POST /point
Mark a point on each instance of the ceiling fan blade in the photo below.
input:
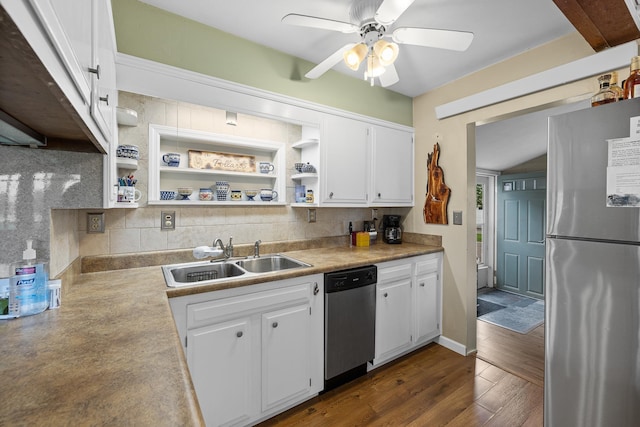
(429, 37)
(389, 77)
(328, 63)
(390, 10)
(322, 23)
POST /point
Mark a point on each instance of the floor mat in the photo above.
(485, 307)
(520, 314)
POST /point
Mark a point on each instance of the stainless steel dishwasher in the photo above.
(349, 323)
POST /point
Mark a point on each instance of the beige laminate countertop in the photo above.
(110, 355)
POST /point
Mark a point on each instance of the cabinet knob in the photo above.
(105, 99)
(422, 284)
(95, 71)
(379, 195)
(239, 334)
(316, 289)
(274, 324)
(386, 295)
(331, 195)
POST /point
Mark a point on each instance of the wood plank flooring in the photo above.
(432, 386)
(519, 354)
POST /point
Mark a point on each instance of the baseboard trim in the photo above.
(452, 345)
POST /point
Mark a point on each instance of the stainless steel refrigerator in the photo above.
(592, 302)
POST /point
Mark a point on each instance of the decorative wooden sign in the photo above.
(221, 161)
(437, 199)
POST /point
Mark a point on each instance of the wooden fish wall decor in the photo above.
(437, 199)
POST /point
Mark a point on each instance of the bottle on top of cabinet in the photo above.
(632, 84)
(613, 84)
(605, 95)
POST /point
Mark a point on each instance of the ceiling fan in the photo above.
(373, 18)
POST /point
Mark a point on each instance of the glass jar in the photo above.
(632, 84)
(605, 95)
(613, 84)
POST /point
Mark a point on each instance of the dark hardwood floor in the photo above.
(432, 386)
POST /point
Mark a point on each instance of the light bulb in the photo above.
(354, 56)
(386, 52)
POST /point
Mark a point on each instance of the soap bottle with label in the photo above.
(29, 282)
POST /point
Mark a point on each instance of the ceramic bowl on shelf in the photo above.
(251, 194)
(185, 192)
(299, 166)
(308, 168)
(128, 152)
(167, 195)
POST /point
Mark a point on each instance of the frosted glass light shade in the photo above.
(386, 52)
(354, 56)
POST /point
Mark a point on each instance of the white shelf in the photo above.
(305, 143)
(187, 171)
(304, 205)
(126, 163)
(125, 205)
(214, 203)
(305, 176)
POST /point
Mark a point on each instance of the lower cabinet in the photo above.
(408, 305)
(254, 355)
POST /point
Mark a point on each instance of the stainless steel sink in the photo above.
(205, 272)
(269, 263)
(198, 272)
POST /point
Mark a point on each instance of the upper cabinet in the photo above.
(69, 42)
(392, 167)
(344, 161)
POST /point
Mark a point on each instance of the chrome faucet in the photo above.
(228, 250)
(256, 249)
(218, 242)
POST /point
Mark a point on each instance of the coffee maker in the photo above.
(392, 233)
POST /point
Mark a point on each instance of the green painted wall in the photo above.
(151, 33)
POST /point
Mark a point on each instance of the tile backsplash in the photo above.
(34, 181)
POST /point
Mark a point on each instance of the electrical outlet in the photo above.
(168, 220)
(374, 214)
(95, 222)
(311, 215)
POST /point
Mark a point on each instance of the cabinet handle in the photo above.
(379, 195)
(95, 71)
(331, 195)
(239, 334)
(274, 324)
(105, 99)
(386, 295)
(422, 284)
(316, 289)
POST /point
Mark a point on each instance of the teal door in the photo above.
(521, 213)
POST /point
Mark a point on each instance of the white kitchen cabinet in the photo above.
(219, 358)
(344, 161)
(392, 167)
(427, 299)
(408, 305)
(285, 355)
(253, 351)
(83, 40)
(393, 317)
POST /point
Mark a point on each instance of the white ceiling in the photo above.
(502, 29)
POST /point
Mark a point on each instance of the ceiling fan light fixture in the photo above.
(374, 68)
(354, 56)
(386, 52)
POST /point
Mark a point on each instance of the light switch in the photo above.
(311, 215)
(457, 217)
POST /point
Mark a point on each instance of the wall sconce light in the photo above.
(232, 118)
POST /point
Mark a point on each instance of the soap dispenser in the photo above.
(29, 283)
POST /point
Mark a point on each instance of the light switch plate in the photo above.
(311, 215)
(457, 217)
(168, 220)
(95, 222)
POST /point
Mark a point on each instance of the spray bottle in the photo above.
(29, 283)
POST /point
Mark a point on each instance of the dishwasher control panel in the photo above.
(348, 279)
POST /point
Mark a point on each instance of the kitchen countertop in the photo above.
(110, 355)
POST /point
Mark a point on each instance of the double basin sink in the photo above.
(205, 272)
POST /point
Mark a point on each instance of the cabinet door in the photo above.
(393, 318)
(219, 358)
(427, 307)
(103, 84)
(286, 370)
(392, 171)
(69, 24)
(345, 157)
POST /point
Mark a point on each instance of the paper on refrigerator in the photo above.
(623, 169)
